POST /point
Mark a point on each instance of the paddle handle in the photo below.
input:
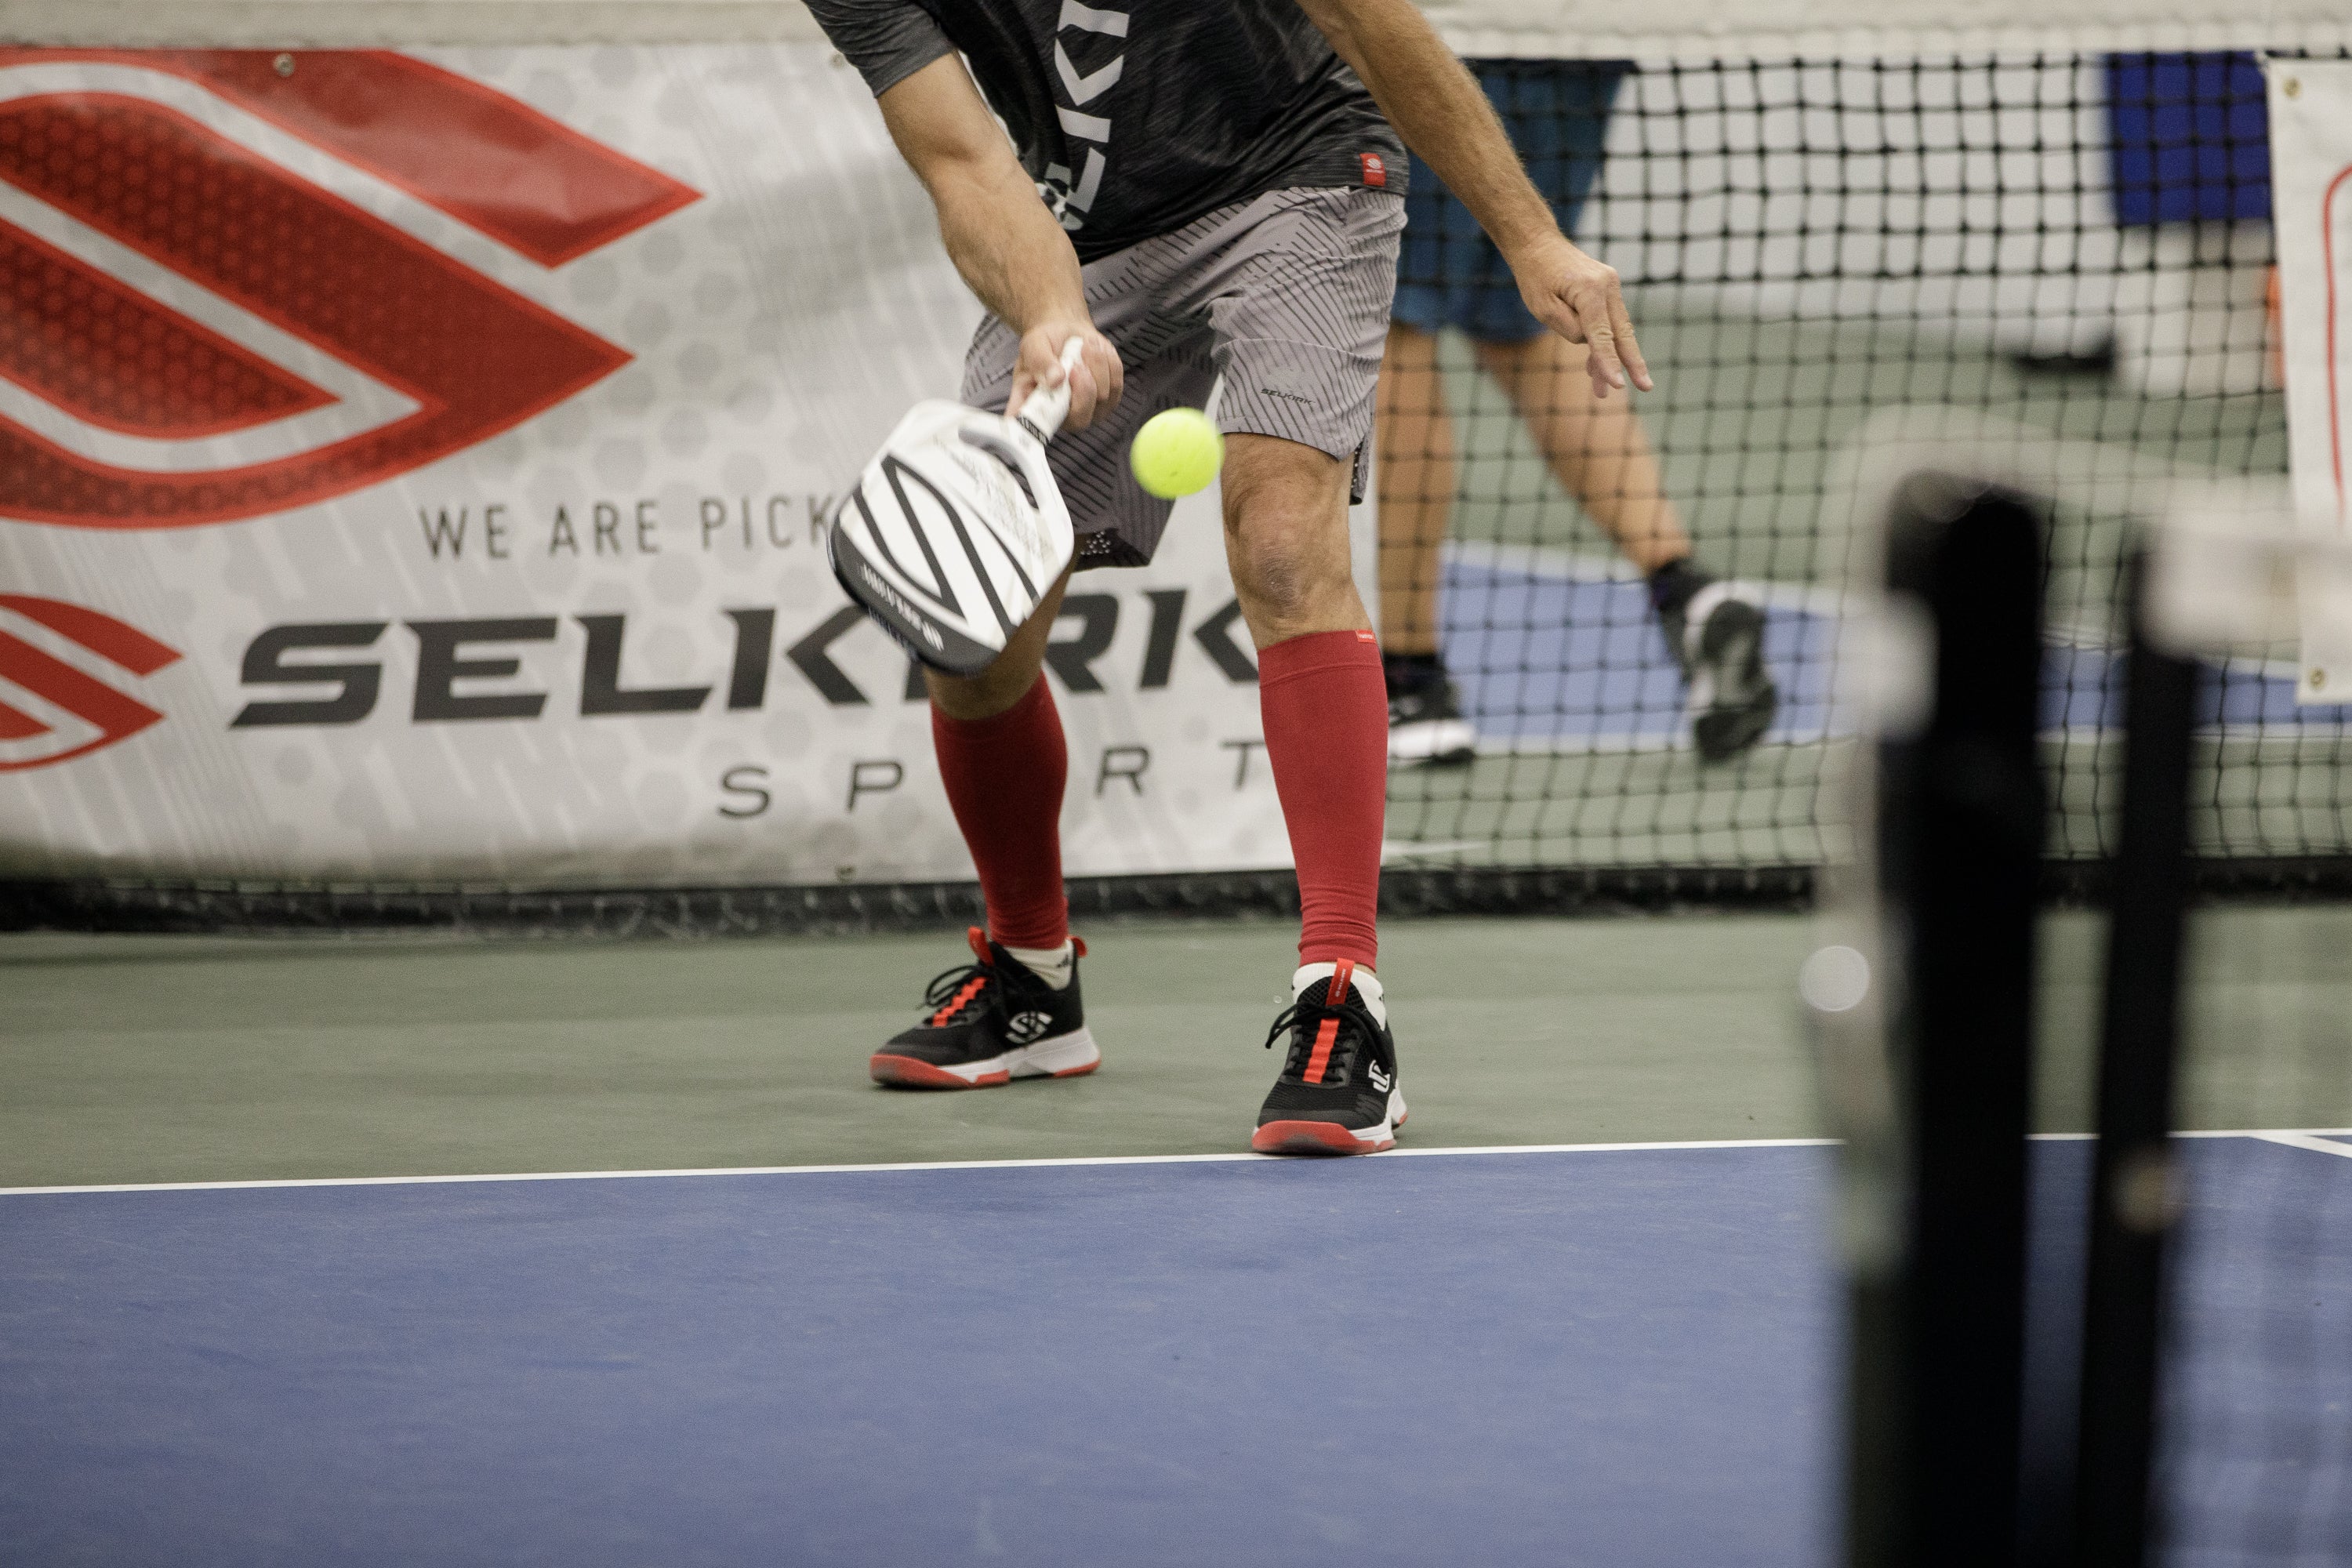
(1049, 405)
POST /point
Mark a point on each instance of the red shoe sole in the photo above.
(910, 1072)
(1312, 1137)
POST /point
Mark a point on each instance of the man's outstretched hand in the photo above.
(1096, 380)
(1578, 297)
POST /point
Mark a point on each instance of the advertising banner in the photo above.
(412, 468)
(2310, 164)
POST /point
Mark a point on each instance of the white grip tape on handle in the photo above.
(1049, 405)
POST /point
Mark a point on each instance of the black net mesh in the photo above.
(2073, 250)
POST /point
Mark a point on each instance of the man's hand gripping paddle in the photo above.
(956, 531)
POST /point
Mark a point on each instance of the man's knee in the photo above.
(1287, 527)
(1281, 585)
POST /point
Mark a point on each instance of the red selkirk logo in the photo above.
(78, 712)
(111, 399)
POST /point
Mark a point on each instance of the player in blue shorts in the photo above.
(1450, 275)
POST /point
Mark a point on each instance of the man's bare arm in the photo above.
(1436, 106)
(999, 235)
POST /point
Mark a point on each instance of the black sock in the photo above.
(1411, 671)
(1674, 584)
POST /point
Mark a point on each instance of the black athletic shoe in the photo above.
(1718, 639)
(1426, 722)
(991, 1022)
(1337, 1093)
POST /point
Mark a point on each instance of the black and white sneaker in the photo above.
(1426, 722)
(1337, 1093)
(991, 1022)
(1718, 639)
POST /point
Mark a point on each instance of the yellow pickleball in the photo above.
(1178, 451)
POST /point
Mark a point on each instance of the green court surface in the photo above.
(163, 1060)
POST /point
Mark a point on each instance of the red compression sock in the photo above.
(1326, 733)
(1004, 776)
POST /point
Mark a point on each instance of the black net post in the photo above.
(1938, 1339)
(2133, 1181)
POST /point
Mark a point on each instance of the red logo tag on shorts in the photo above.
(1375, 169)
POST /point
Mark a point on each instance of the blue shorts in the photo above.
(1449, 273)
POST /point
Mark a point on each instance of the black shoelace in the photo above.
(1304, 1019)
(954, 992)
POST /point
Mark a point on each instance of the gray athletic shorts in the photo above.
(1287, 295)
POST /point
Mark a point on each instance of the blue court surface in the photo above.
(1566, 652)
(1620, 1356)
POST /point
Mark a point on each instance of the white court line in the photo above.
(2299, 1138)
(903, 1165)
(2312, 1141)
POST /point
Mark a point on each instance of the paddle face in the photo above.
(952, 534)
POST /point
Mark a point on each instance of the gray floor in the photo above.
(136, 1059)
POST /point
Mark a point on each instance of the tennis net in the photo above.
(2070, 250)
(2047, 236)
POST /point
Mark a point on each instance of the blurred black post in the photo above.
(2134, 1185)
(1940, 1339)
